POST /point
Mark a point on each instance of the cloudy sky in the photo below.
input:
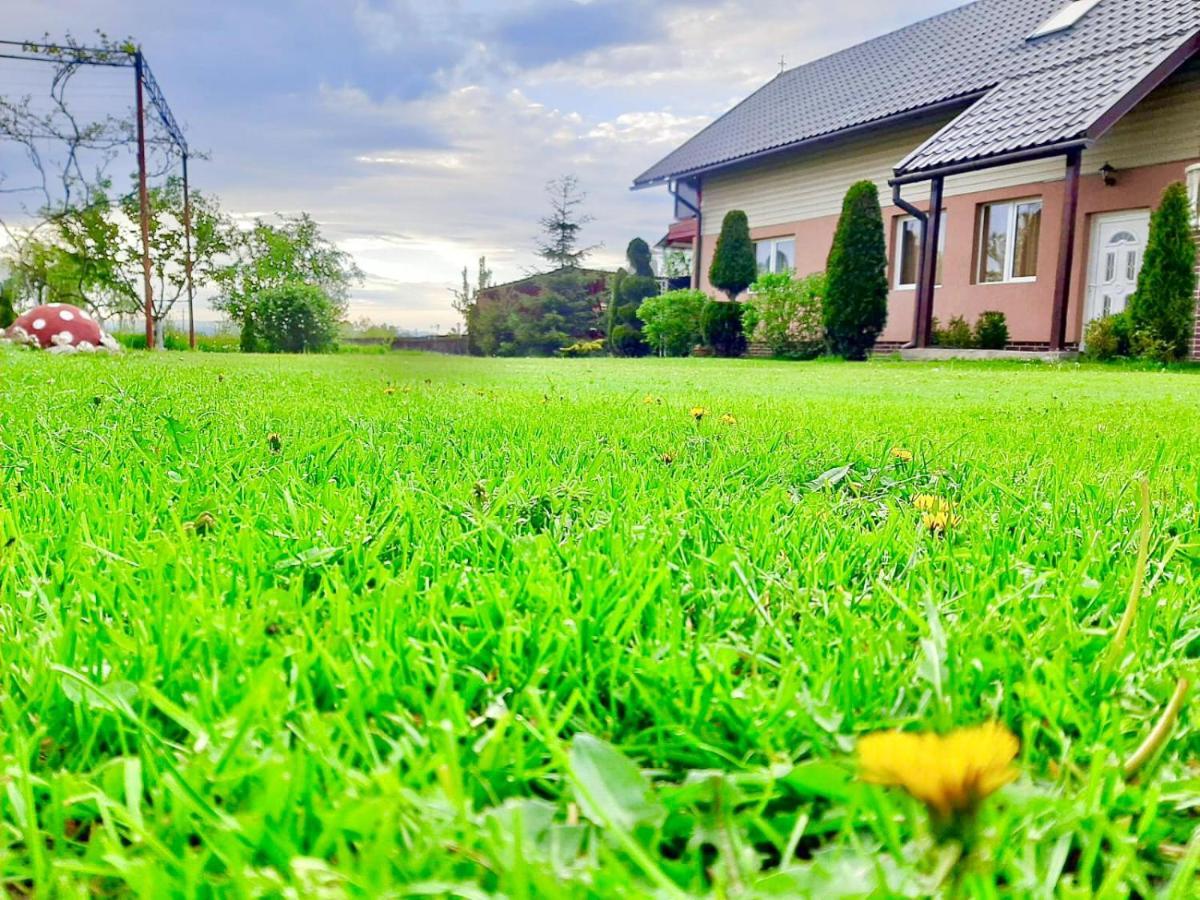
(421, 134)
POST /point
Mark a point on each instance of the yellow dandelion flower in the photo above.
(727, 419)
(951, 774)
(927, 502)
(699, 412)
(668, 458)
(649, 399)
(389, 391)
(901, 454)
(941, 521)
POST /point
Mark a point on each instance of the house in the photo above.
(1044, 132)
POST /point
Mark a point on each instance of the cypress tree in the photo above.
(856, 292)
(1165, 302)
(638, 254)
(734, 267)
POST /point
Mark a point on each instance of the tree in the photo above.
(856, 276)
(639, 256)
(734, 267)
(464, 297)
(273, 255)
(1165, 302)
(559, 244)
(90, 255)
(291, 318)
(672, 321)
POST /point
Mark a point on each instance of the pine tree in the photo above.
(856, 292)
(734, 267)
(8, 313)
(1165, 302)
(559, 245)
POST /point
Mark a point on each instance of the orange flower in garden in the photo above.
(951, 774)
(699, 412)
(901, 454)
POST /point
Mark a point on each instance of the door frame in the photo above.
(1092, 282)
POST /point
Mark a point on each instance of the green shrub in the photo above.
(639, 257)
(628, 293)
(582, 348)
(1165, 303)
(721, 327)
(991, 331)
(1145, 344)
(218, 343)
(136, 340)
(8, 312)
(672, 321)
(855, 307)
(734, 267)
(956, 335)
(294, 318)
(1109, 337)
(785, 314)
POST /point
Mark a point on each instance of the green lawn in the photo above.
(332, 626)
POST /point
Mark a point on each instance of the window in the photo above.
(1065, 18)
(776, 256)
(1008, 241)
(908, 251)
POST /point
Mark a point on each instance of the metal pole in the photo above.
(144, 203)
(1066, 253)
(929, 250)
(187, 259)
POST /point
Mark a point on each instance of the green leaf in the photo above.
(610, 789)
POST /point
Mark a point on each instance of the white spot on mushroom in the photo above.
(66, 315)
(39, 324)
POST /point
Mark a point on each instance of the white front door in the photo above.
(1118, 247)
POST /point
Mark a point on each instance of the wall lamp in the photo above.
(1109, 174)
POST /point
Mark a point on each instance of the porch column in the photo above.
(1066, 252)
(927, 277)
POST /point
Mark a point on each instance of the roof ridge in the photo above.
(957, 10)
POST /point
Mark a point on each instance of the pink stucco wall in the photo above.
(1027, 305)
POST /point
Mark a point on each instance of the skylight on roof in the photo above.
(1065, 18)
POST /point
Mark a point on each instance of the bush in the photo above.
(136, 340)
(639, 256)
(672, 321)
(628, 293)
(734, 267)
(855, 308)
(582, 348)
(721, 327)
(991, 331)
(1109, 336)
(294, 318)
(957, 335)
(8, 313)
(1165, 302)
(218, 343)
(785, 314)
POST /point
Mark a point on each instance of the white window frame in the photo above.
(897, 262)
(773, 242)
(1010, 240)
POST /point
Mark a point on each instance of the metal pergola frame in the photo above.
(146, 87)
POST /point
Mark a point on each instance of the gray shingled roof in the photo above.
(1033, 92)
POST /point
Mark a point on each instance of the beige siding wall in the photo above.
(1163, 128)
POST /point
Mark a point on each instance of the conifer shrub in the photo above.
(855, 307)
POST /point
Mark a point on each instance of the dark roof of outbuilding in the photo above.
(1023, 93)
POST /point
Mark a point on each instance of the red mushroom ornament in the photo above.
(60, 328)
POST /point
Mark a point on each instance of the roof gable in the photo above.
(965, 53)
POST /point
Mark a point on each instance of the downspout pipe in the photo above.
(923, 218)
